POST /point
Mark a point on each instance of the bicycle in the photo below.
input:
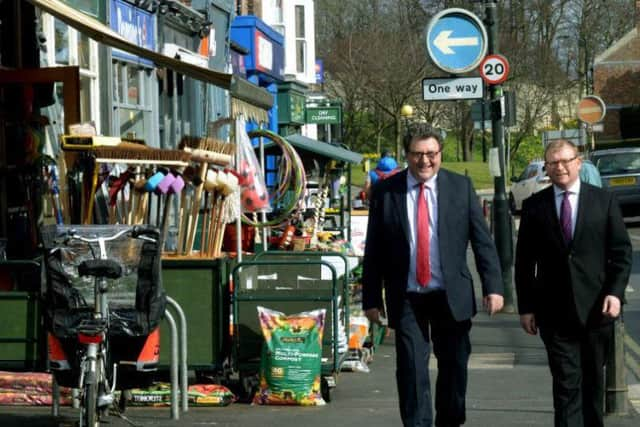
(97, 377)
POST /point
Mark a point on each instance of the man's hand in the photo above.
(493, 303)
(528, 323)
(373, 314)
(611, 306)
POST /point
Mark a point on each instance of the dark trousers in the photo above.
(576, 360)
(426, 319)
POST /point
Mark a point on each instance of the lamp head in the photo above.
(406, 111)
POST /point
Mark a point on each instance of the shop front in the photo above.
(141, 108)
(263, 64)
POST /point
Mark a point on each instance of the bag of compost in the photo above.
(159, 394)
(290, 366)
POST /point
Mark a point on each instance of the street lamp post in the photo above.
(582, 42)
(406, 112)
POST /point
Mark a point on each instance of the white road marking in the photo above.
(484, 361)
(634, 396)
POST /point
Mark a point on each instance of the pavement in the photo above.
(509, 385)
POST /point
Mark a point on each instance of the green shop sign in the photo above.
(297, 108)
(290, 107)
(324, 115)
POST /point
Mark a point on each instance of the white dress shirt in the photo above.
(431, 193)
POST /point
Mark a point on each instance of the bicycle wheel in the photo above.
(89, 416)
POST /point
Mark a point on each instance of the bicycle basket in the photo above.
(136, 300)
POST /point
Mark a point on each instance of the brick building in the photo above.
(616, 79)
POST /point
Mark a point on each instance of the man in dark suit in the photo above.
(573, 260)
(421, 221)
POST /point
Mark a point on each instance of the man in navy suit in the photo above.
(573, 261)
(421, 221)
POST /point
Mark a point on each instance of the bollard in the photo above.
(173, 369)
(183, 367)
(616, 387)
(55, 398)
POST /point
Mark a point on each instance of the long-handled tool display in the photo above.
(191, 176)
(168, 187)
(210, 188)
(205, 151)
(228, 187)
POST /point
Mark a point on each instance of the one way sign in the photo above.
(456, 40)
(452, 89)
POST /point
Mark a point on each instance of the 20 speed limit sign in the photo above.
(494, 69)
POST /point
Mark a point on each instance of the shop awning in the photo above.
(103, 34)
(322, 148)
(250, 100)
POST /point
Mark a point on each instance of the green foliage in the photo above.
(571, 124)
(452, 148)
(449, 148)
(529, 149)
(363, 129)
(478, 171)
(358, 175)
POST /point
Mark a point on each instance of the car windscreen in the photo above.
(617, 163)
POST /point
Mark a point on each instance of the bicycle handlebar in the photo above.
(145, 231)
(136, 232)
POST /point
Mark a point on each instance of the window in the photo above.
(299, 22)
(527, 173)
(84, 51)
(300, 56)
(61, 41)
(85, 98)
(133, 81)
(620, 163)
(630, 122)
(301, 43)
(67, 46)
(131, 100)
(533, 172)
(245, 7)
(278, 18)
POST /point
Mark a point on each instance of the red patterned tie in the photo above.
(423, 271)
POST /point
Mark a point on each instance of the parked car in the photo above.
(531, 180)
(620, 172)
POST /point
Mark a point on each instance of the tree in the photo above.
(550, 45)
(375, 57)
(374, 54)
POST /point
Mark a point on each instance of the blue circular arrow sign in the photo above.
(456, 40)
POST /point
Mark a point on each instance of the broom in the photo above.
(204, 151)
(129, 153)
(191, 177)
(215, 217)
(229, 187)
(210, 186)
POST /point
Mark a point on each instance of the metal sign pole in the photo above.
(501, 216)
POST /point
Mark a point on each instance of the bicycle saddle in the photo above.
(100, 268)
